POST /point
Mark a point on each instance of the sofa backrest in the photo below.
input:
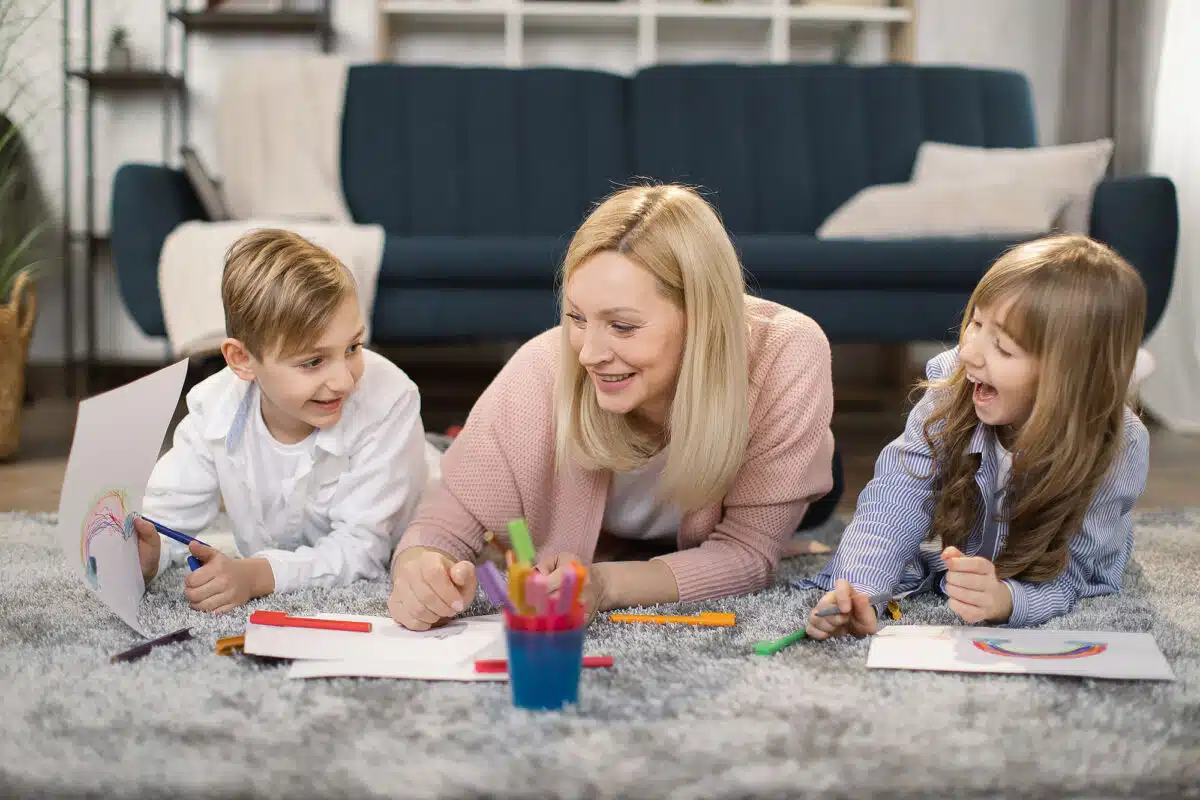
(779, 147)
(476, 151)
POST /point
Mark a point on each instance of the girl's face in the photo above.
(1004, 375)
(626, 334)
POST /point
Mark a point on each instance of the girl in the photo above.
(668, 409)
(1010, 490)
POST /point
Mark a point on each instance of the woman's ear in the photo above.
(237, 356)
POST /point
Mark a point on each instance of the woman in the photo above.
(668, 408)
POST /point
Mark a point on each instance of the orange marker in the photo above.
(706, 618)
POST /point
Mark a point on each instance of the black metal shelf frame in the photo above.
(173, 87)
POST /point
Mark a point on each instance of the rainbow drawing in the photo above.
(996, 647)
(107, 515)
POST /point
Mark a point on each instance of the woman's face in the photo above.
(626, 334)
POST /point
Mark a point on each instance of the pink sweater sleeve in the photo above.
(478, 489)
(788, 465)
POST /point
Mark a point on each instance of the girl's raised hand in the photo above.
(857, 617)
(975, 593)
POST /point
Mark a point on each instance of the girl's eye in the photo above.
(1000, 349)
(311, 364)
(622, 328)
(578, 320)
(354, 348)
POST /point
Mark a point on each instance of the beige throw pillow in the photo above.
(909, 210)
(1073, 168)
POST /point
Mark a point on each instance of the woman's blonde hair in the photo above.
(674, 234)
(1079, 309)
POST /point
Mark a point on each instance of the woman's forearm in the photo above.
(636, 583)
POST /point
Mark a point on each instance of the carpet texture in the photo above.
(686, 713)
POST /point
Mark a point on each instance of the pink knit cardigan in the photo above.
(501, 466)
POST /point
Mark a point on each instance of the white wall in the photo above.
(1022, 34)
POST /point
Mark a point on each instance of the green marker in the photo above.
(772, 646)
(518, 533)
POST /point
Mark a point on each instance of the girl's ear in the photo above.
(237, 356)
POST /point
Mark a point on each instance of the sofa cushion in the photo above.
(780, 146)
(497, 261)
(943, 263)
(918, 210)
(475, 151)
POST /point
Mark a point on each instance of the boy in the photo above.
(315, 445)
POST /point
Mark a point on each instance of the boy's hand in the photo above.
(223, 583)
(428, 587)
(857, 616)
(593, 595)
(149, 548)
(975, 593)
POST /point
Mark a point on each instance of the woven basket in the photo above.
(16, 325)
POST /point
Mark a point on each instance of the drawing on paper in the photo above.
(1069, 649)
(106, 516)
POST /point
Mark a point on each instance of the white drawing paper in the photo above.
(118, 437)
(1085, 654)
(456, 642)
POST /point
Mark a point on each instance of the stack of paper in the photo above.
(447, 653)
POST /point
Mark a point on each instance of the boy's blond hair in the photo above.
(280, 291)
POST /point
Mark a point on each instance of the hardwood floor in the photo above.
(32, 481)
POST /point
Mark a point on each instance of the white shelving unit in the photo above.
(628, 34)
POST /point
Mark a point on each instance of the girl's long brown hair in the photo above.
(1079, 309)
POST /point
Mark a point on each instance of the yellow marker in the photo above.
(517, 573)
(707, 618)
(893, 609)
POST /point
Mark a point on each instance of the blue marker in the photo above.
(182, 538)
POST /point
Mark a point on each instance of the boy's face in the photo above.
(308, 389)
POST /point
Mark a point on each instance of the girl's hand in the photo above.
(224, 583)
(593, 596)
(428, 587)
(857, 616)
(975, 593)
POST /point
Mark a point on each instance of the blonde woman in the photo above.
(668, 409)
(1021, 464)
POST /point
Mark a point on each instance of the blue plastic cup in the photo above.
(545, 660)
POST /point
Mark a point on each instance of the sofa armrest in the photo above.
(1139, 218)
(148, 202)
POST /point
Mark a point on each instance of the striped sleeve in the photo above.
(894, 511)
(1099, 552)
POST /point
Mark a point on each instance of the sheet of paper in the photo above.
(118, 437)
(457, 642)
(1085, 654)
(384, 668)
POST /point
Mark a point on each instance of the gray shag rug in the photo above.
(686, 712)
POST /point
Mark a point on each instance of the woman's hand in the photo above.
(975, 593)
(428, 587)
(857, 616)
(593, 595)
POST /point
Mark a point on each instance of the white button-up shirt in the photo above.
(351, 497)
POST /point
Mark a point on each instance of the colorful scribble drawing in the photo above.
(996, 647)
(106, 517)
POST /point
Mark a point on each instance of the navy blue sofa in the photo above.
(480, 176)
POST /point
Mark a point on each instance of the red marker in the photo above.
(282, 620)
(500, 665)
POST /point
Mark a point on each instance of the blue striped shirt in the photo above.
(884, 548)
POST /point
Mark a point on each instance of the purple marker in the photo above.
(566, 593)
(493, 585)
